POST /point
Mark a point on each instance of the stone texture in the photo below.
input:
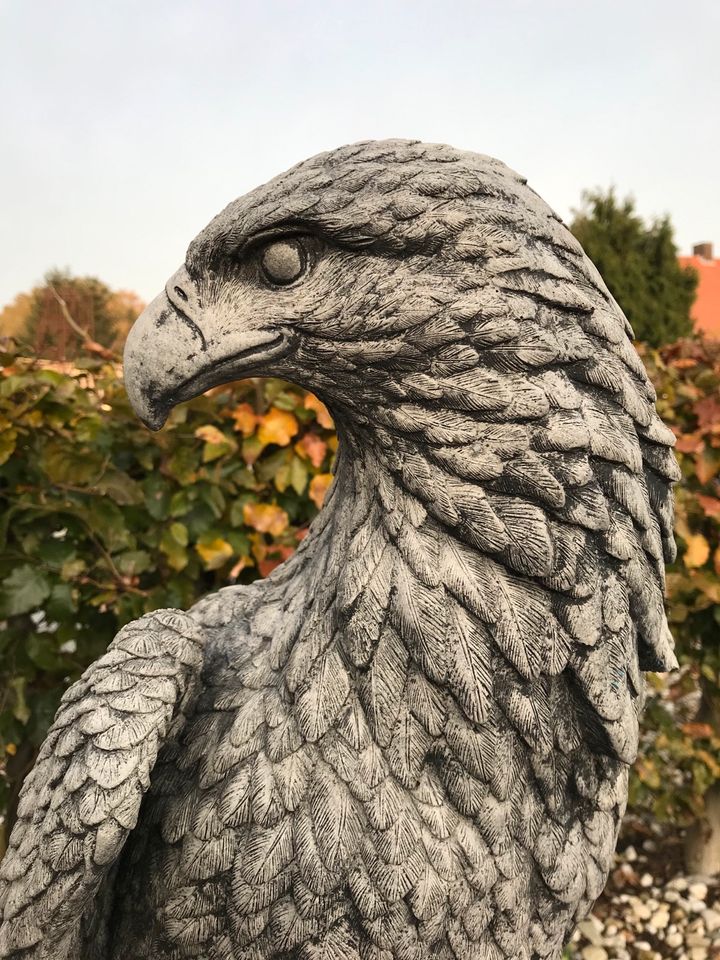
(413, 739)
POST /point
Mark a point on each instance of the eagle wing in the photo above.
(83, 796)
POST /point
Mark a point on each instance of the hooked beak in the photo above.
(177, 349)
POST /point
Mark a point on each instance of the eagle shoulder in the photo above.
(82, 798)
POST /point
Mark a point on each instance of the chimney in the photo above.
(704, 250)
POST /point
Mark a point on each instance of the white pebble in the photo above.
(631, 854)
(674, 939)
(698, 891)
(594, 953)
(646, 880)
(591, 931)
(712, 920)
(641, 910)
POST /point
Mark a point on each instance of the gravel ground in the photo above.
(650, 911)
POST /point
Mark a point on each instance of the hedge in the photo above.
(102, 521)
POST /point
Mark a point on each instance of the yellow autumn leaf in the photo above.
(319, 486)
(697, 552)
(210, 434)
(277, 426)
(214, 553)
(321, 411)
(266, 518)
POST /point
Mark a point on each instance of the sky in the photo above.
(125, 125)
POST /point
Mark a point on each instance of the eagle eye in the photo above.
(283, 261)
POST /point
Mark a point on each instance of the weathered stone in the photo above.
(455, 649)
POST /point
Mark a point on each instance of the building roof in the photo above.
(706, 309)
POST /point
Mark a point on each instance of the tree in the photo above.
(638, 262)
(14, 316)
(123, 307)
(56, 317)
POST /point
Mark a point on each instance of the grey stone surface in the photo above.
(412, 740)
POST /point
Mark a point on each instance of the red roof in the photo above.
(706, 309)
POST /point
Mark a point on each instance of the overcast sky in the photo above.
(125, 125)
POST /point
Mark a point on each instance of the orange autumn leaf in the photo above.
(321, 411)
(716, 561)
(246, 420)
(689, 443)
(711, 505)
(273, 559)
(319, 486)
(277, 426)
(707, 466)
(210, 434)
(697, 552)
(313, 447)
(697, 730)
(266, 518)
(707, 412)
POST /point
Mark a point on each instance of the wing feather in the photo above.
(78, 805)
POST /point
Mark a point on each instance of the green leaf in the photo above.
(61, 602)
(72, 568)
(107, 521)
(119, 487)
(213, 497)
(21, 711)
(180, 503)
(41, 649)
(179, 533)
(183, 465)
(298, 475)
(133, 562)
(71, 466)
(8, 438)
(177, 555)
(23, 591)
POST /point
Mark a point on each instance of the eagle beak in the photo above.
(178, 349)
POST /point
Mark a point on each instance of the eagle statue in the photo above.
(411, 740)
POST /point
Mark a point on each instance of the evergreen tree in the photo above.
(638, 262)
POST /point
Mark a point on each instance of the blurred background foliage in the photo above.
(101, 521)
(639, 263)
